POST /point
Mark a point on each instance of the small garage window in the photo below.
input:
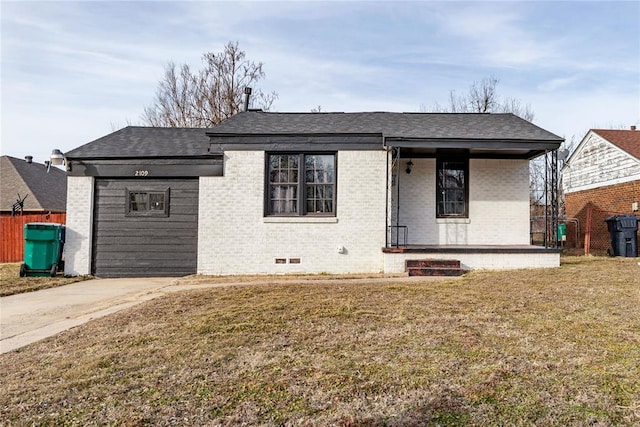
(147, 203)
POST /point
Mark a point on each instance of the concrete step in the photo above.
(434, 267)
(440, 272)
(432, 263)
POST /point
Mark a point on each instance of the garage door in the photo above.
(145, 228)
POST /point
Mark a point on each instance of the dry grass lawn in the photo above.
(529, 347)
(11, 283)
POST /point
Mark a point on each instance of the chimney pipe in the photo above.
(28, 159)
(247, 94)
(633, 127)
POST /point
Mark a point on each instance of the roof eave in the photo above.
(497, 144)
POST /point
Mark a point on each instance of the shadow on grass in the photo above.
(449, 409)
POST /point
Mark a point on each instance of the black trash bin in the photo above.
(623, 230)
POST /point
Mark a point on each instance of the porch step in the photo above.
(432, 263)
(434, 267)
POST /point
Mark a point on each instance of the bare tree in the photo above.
(204, 98)
(514, 106)
(483, 97)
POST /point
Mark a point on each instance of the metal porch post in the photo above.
(551, 199)
(398, 198)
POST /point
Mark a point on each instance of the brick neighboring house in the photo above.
(602, 176)
(270, 193)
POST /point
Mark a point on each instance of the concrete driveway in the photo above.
(32, 316)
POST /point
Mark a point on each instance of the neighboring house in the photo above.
(601, 178)
(31, 188)
(29, 192)
(306, 193)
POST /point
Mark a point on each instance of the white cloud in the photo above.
(557, 83)
(69, 69)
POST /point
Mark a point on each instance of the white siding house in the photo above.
(598, 161)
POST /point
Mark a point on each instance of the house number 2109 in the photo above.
(142, 173)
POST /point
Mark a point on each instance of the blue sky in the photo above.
(72, 72)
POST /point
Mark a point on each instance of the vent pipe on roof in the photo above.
(28, 159)
(633, 127)
(247, 94)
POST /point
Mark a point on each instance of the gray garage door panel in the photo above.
(134, 246)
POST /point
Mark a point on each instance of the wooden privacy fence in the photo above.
(12, 233)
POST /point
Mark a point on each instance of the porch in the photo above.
(468, 201)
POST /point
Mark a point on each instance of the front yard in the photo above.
(530, 347)
(11, 283)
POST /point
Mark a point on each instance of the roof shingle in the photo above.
(467, 126)
(44, 191)
(139, 141)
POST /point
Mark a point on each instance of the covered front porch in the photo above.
(468, 201)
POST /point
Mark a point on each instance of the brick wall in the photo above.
(498, 204)
(603, 202)
(234, 237)
(77, 248)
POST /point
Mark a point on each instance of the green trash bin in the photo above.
(562, 232)
(43, 244)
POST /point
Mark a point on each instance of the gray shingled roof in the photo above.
(45, 191)
(467, 126)
(136, 141)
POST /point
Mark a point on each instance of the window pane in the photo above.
(292, 161)
(137, 202)
(284, 198)
(320, 168)
(451, 189)
(319, 198)
(319, 176)
(309, 176)
(284, 206)
(156, 202)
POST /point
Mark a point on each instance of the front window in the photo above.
(147, 203)
(301, 184)
(452, 188)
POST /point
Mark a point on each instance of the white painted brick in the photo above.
(234, 238)
(498, 205)
(77, 247)
(395, 263)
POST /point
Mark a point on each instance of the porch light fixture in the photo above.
(409, 167)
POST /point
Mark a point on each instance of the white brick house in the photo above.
(306, 193)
